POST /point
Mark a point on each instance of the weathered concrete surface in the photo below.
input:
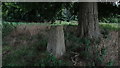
(56, 44)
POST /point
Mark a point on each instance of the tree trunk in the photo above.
(56, 44)
(88, 20)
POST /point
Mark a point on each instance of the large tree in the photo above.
(88, 20)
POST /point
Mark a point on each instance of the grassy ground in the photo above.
(110, 26)
(25, 52)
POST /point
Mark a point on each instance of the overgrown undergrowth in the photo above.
(34, 53)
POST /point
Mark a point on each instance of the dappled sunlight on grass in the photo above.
(114, 26)
(110, 26)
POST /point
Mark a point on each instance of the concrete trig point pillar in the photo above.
(56, 44)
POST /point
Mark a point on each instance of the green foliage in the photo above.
(110, 63)
(80, 45)
(104, 51)
(7, 28)
(112, 19)
(20, 11)
(41, 12)
(99, 55)
(87, 48)
(50, 60)
(73, 40)
(7, 48)
(15, 58)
